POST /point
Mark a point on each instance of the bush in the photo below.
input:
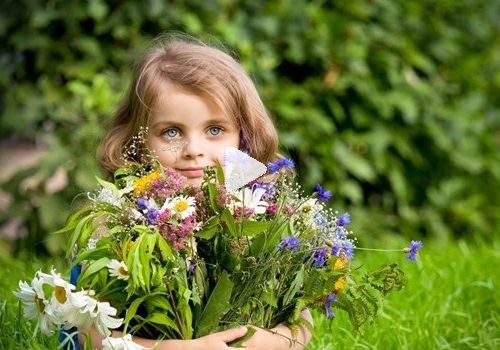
(390, 104)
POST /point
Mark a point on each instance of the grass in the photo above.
(450, 302)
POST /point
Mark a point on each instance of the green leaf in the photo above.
(253, 228)
(294, 287)
(163, 319)
(217, 305)
(92, 269)
(228, 221)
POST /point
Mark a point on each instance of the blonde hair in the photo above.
(203, 70)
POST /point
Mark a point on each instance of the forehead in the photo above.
(172, 96)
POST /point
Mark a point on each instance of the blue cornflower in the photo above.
(322, 194)
(344, 219)
(291, 243)
(330, 298)
(270, 188)
(280, 163)
(142, 203)
(152, 215)
(320, 257)
(413, 249)
(345, 248)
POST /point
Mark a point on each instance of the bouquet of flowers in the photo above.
(161, 259)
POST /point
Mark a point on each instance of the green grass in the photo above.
(450, 302)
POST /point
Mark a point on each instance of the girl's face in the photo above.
(188, 132)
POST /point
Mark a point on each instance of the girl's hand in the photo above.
(280, 337)
(216, 341)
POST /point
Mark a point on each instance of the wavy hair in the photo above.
(204, 70)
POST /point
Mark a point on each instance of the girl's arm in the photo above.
(278, 338)
(214, 341)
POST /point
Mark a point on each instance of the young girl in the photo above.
(196, 101)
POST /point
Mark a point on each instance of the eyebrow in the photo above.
(215, 121)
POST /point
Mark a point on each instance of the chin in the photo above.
(194, 181)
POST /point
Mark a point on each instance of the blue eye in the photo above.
(215, 130)
(171, 132)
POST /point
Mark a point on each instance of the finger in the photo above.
(233, 333)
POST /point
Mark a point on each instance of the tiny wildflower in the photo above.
(412, 250)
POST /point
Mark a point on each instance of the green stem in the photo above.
(379, 249)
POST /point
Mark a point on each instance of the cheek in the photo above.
(166, 156)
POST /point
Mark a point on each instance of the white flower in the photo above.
(310, 213)
(32, 298)
(123, 343)
(247, 198)
(36, 305)
(106, 195)
(182, 206)
(83, 310)
(118, 269)
(74, 312)
(104, 320)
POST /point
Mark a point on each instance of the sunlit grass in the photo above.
(451, 301)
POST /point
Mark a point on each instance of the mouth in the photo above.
(191, 172)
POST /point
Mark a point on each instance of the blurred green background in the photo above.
(393, 105)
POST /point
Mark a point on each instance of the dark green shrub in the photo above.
(390, 104)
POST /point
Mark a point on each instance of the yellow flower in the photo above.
(340, 263)
(143, 183)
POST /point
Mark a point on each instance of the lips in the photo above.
(191, 172)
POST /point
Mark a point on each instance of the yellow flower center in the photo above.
(122, 271)
(60, 294)
(181, 206)
(40, 305)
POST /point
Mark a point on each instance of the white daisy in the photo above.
(183, 206)
(104, 320)
(36, 306)
(118, 269)
(123, 343)
(247, 198)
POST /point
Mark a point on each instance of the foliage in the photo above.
(450, 302)
(394, 100)
(167, 260)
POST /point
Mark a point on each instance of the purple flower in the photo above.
(345, 248)
(323, 195)
(320, 257)
(270, 188)
(142, 203)
(344, 219)
(152, 215)
(280, 163)
(291, 243)
(413, 249)
(330, 298)
(191, 266)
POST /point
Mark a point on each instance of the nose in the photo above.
(193, 148)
